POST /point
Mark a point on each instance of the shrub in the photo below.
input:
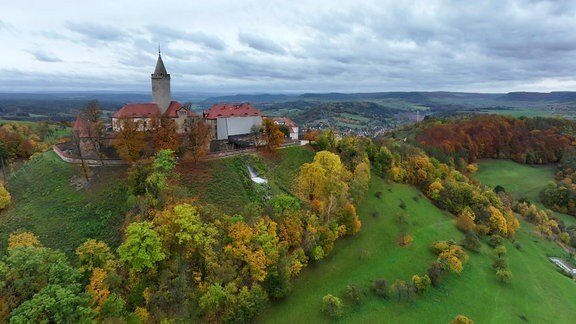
(354, 294)
(495, 240)
(471, 242)
(332, 306)
(461, 319)
(500, 264)
(380, 287)
(500, 250)
(435, 273)
(503, 275)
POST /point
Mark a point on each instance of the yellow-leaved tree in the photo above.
(5, 197)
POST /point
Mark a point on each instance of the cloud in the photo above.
(43, 56)
(97, 32)
(164, 34)
(260, 43)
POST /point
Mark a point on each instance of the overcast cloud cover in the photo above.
(259, 46)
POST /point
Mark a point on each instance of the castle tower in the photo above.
(161, 86)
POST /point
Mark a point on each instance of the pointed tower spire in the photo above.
(161, 85)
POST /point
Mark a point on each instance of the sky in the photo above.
(298, 46)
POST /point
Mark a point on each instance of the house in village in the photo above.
(292, 127)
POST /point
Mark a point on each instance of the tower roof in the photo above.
(160, 69)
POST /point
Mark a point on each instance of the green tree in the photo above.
(332, 306)
(142, 248)
(54, 304)
(32, 268)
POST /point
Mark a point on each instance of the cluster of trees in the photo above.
(478, 209)
(561, 194)
(132, 143)
(460, 141)
(18, 140)
(181, 260)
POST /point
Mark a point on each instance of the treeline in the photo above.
(21, 140)
(460, 141)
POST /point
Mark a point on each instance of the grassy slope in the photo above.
(522, 181)
(537, 292)
(226, 183)
(45, 203)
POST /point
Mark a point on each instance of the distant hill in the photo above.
(555, 96)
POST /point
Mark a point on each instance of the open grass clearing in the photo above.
(520, 180)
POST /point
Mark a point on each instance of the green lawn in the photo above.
(44, 202)
(520, 180)
(537, 292)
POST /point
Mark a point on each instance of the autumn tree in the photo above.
(130, 141)
(95, 130)
(360, 181)
(325, 180)
(273, 136)
(197, 139)
(94, 254)
(5, 197)
(461, 319)
(450, 255)
(311, 135)
(23, 239)
(164, 135)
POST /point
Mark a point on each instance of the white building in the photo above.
(232, 119)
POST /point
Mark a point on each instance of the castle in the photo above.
(162, 105)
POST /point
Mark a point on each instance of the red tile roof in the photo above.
(140, 110)
(175, 106)
(232, 110)
(284, 121)
(81, 127)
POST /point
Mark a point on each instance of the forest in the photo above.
(182, 260)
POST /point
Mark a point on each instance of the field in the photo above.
(519, 112)
(520, 180)
(537, 292)
(45, 203)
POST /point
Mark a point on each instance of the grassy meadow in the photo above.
(45, 203)
(537, 292)
(520, 180)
